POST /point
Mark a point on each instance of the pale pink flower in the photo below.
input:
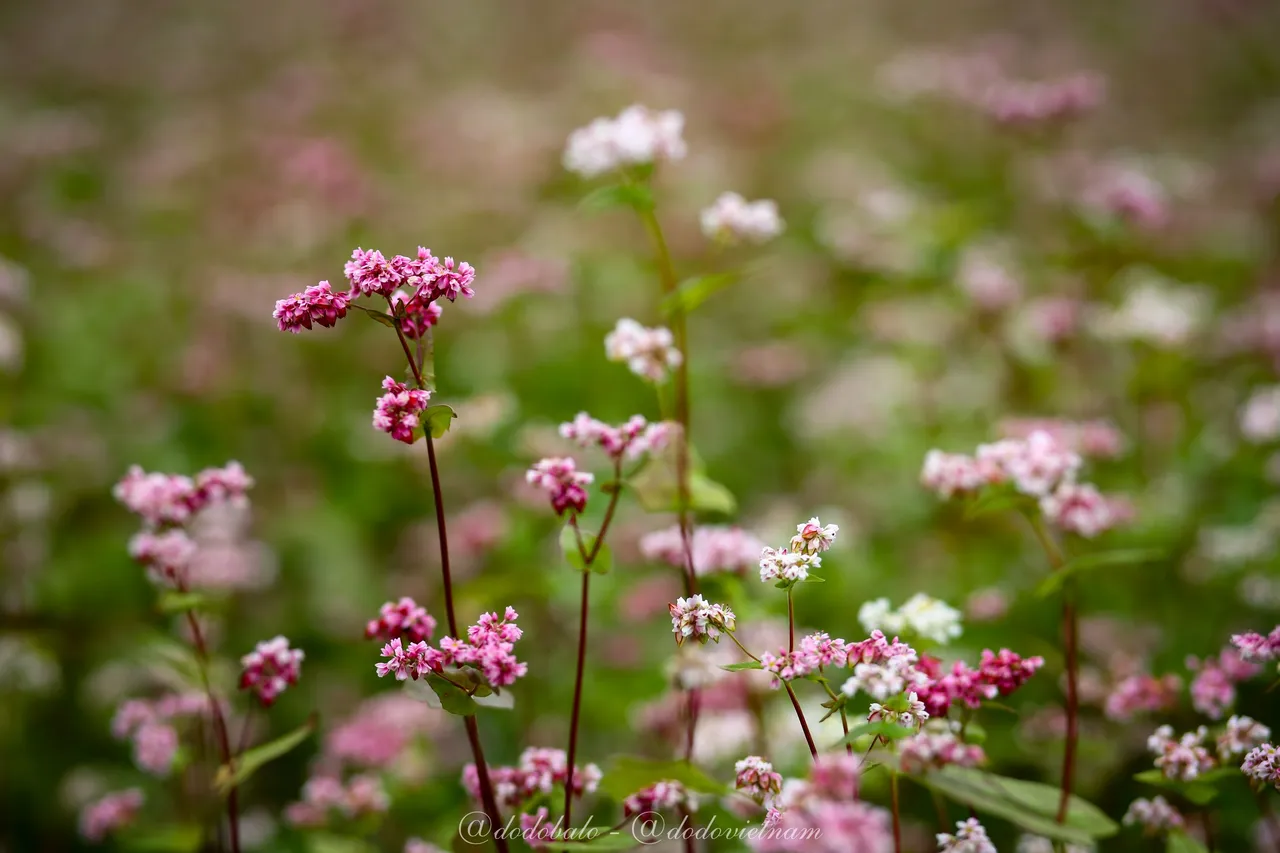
(733, 219)
(1256, 647)
(949, 474)
(636, 136)
(648, 352)
(1154, 815)
(666, 795)
(1142, 693)
(781, 565)
(539, 772)
(1096, 438)
(167, 555)
(1240, 735)
(110, 813)
(1213, 689)
(404, 618)
(562, 480)
(695, 617)
(270, 668)
(417, 845)
(1035, 465)
(396, 412)
(937, 749)
(714, 548)
(970, 837)
(812, 537)
(632, 439)
(757, 778)
(1263, 764)
(787, 666)
(1183, 759)
(154, 747)
(825, 650)
(1079, 508)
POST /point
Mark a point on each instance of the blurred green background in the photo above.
(170, 170)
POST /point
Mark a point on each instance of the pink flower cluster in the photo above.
(787, 567)
(1183, 759)
(561, 479)
(648, 352)
(148, 725)
(937, 749)
(970, 837)
(633, 439)
(715, 548)
(1256, 647)
(1096, 439)
(1263, 764)
(1213, 690)
(1142, 693)
(1154, 815)
(270, 668)
(489, 649)
(110, 813)
(539, 771)
(165, 502)
(823, 814)
(1027, 104)
(757, 778)
(788, 666)
(660, 796)
(362, 794)
(1240, 735)
(416, 312)
(319, 305)
(1081, 509)
(403, 618)
(396, 412)
(813, 537)
(380, 731)
(695, 617)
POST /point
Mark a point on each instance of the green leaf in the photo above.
(635, 196)
(813, 579)
(1180, 842)
(1030, 805)
(180, 602)
(438, 420)
(1100, 560)
(974, 733)
(1201, 791)
(382, 317)
(501, 701)
(452, 698)
(248, 762)
(164, 839)
(657, 490)
(603, 561)
(885, 729)
(694, 291)
(628, 774)
(739, 667)
(327, 843)
(996, 500)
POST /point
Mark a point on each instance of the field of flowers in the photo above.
(848, 428)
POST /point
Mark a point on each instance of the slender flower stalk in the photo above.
(588, 558)
(487, 798)
(795, 703)
(219, 723)
(1070, 642)
(897, 820)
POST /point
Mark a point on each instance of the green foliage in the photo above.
(600, 565)
(249, 762)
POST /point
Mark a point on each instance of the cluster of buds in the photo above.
(660, 796)
(1263, 765)
(404, 618)
(270, 668)
(648, 352)
(637, 136)
(733, 219)
(323, 796)
(1155, 816)
(167, 502)
(539, 771)
(1183, 759)
(714, 548)
(489, 649)
(785, 567)
(396, 412)
(696, 618)
(757, 779)
(1142, 693)
(370, 273)
(1258, 648)
(561, 479)
(110, 814)
(631, 440)
(937, 746)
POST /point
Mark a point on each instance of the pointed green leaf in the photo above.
(1201, 791)
(635, 196)
(439, 418)
(814, 579)
(248, 762)
(600, 565)
(1180, 842)
(885, 729)
(694, 291)
(180, 602)
(1099, 560)
(380, 316)
(452, 698)
(657, 488)
(628, 774)
(739, 667)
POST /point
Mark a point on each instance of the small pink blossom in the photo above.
(370, 273)
(1142, 693)
(632, 439)
(562, 480)
(1256, 647)
(417, 845)
(714, 548)
(154, 747)
(396, 412)
(270, 668)
(1081, 509)
(172, 499)
(733, 219)
(937, 749)
(1154, 816)
(539, 772)
(362, 794)
(666, 795)
(949, 474)
(404, 618)
(1240, 735)
(1183, 759)
(825, 650)
(114, 811)
(812, 537)
(319, 305)
(1095, 439)
(419, 315)
(648, 353)
(757, 778)
(1213, 689)
(788, 666)
(1035, 465)
(695, 617)
(453, 280)
(1263, 764)
(970, 837)
(167, 556)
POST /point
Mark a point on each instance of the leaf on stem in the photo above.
(248, 762)
(1201, 791)
(884, 729)
(1180, 842)
(657, 488)
(438, 419)
(1099, 560)
(440, 692)
(381, 316)
(178, 602)
(638, 197)
(692, 292)
(603, 561)
(740, 667)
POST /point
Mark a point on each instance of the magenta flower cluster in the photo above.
(270, 668)
(560, 478)
(404, 618)
(112, 812)
(489, 648)
(396, 412)
(756, 778)
(823, 814)
(632, 439)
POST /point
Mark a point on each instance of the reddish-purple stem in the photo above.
(219, 726)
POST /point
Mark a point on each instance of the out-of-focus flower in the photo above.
(417, 845)
(660, 796)
(970, 837)
(167, 555)
(363, 794)
(1240, 735)
(985, 605)
(561, 479)
(381, 730)
(114, 811)
(173, 499)
(270, 668)
(733, 219)
(632, 439)
(154, 747)
(1156, 311)
(1256, 647)
(714, 549)
(1183, 759)
(1142, 693)
(697, 618)
(1020, 103)
(1097, 439)
(987, 277)
(923, 615)
(937, 746)
(1154, 815)
(1260, 415)
(636, 136)
(757, 778)
(1040, 844)
(648, 352)
(1213, 689)
(404, 618)
(539, 771)
(1081, 509)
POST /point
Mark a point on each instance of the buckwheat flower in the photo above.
(1035, 465)
(631, 439)
(562, 480)
(154, 748)
(319, 304)
(270, 668)
(401, 661)
(970, 837)
(826, 651)
(757, 778)
(1040, 844)
(848, 825)
(988, 278)
(660, 796)
(1183, 759)
(228, 484)
(1096, 438)
(1257, 648)
(812, 537)
(937, 748)
(166, 555)
(788, 666)
(1213, 690)
(1241, 735)
(404, 618)
(419, 315)
(715, 549)
(157, 498)
(648, 352)
(1142, 693)
(537, 829)
(1263, 764)
(1007, 671)
(930, 618)
(370, 273)
(950, 474)
(452, 279)
(491, 628)
(879, 681)
(1154, 816)
(1079, 508)
(113, 812)
(636, 136)
(733, 219)
(396, 412)
(915, 715)
(779, 564)
(697, 618)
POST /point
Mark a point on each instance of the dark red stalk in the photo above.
(219, 725)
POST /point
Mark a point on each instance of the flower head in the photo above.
(1263, 764)
(1154, 815)
(270, 668)
(396, 412)
(812, 537)
(648, 352)
(318, 305)
(562, 480)
(733, 219)
(757, 778)
(970, 837)
(114, 811)
(404, 618)
(1183, 759)
(636, 136)
(697, 618)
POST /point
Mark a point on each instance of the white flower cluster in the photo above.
(700, 619)
(636, 136)
(921, 615)
(649, 353)
(970, 837)
(811, 539)
(733, 219)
